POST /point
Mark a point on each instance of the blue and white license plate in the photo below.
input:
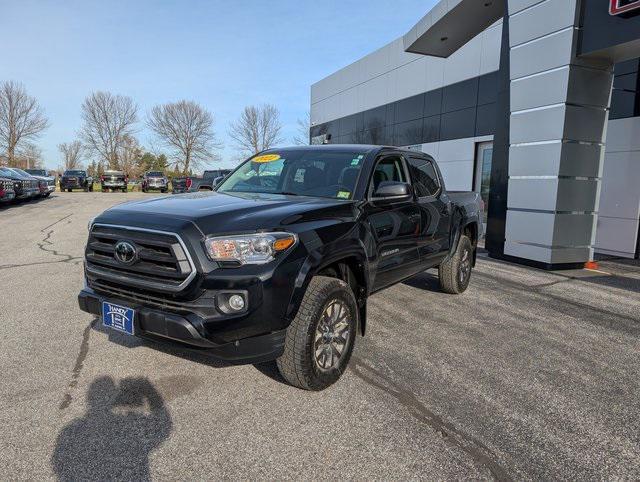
(118, 317)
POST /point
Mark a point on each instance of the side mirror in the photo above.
(392, 191)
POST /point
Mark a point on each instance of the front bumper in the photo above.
(71, 185)
(182, 328)
(51, 188)
(113, 184)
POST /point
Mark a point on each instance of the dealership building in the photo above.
(533, 103)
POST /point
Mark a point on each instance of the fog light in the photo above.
(236, 302)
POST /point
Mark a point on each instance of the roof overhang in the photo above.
(450, 24)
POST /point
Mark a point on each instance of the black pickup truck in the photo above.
(76, 179)
(279, 261)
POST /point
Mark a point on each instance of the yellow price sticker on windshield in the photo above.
(266, 158)
(344, 194)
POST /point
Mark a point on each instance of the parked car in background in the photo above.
(181, 185)
(7, 189)
(31, 185)
(19, 184)
(76, 179)
(155, 180)
(49, 181)
(209, 180)
(114, 180)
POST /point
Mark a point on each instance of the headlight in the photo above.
(90, 223)
(259, 248)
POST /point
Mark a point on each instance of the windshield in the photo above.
(36, 172)
(7, 172)
(320, 173)
(21, 173)
(155, 174)
(73, 173)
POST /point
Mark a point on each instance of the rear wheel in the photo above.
(455, 273)
(69, 190)
(320, 339)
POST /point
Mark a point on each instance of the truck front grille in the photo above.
(161, 260)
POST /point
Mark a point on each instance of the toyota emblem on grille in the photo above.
(125, 252)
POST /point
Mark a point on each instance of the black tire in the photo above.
(298, 364)
(124, 189)
(91, 188)
(86, 189)
(69, 190)
(455, 273)
(104, 189)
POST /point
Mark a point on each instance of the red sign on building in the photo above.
(619, 7)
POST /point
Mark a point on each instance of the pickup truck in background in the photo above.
(114, 181)
(209, 180)
(76, 179)
(279, 261)
(7, 189)
(154, 180)
(42, 175)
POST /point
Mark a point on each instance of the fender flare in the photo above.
(320, 259)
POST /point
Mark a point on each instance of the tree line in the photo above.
(184, 136)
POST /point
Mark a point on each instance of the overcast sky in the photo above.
(223, 55)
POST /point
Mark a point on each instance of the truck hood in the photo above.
(216, 213)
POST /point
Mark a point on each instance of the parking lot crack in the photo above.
(77, 367)
(477, 450)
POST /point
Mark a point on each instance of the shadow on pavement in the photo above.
(267, 368)
(114, 439)
(425, 281)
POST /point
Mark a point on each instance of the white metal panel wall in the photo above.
(619, 212)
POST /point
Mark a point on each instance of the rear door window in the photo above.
(425, 177)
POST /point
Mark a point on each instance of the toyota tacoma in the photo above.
(279, 261)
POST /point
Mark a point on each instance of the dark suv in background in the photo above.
(76, 179)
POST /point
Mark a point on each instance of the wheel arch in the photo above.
(350, 267)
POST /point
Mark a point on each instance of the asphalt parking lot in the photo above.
(528, 375)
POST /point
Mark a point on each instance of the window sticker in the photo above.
(355, 162)
(266, 158)
(343, 195)
(299, 177)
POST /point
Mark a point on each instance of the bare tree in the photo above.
(304, 126)
(186, 128)
(107, 119)
(130, 154)
(21, 118)
(257, 129)
(29, 156)
(72, 153)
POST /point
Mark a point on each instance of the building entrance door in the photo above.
(482, 175)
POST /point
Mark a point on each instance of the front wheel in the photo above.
(455, 273)
(320, 339)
